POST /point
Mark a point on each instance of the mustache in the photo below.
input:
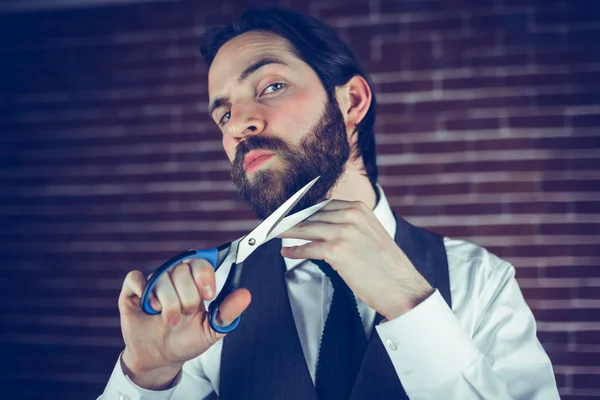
(273, 144)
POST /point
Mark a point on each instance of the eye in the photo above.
(222, 120)
(273, 87)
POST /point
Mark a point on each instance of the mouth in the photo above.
(255, 159)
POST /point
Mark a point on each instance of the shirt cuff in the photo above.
(121, 387)
(427, 345)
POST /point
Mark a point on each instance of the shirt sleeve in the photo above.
(190, 384)
(489, 351)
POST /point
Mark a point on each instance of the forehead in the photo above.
(241, 51)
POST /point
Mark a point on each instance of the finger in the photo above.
(131, 292)
(154, 302)
(186, 289)
(309, 251)
(336, 204)
(309, 230)
(330, 216)
(168, 298)
(204, 276)
(233, 306)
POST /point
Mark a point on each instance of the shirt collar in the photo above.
(382, 211)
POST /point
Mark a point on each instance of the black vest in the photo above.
(262, 358)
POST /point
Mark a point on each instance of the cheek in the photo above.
(296, 118)
(229, 146)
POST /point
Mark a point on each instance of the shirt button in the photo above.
(123, 397)
(391, 345)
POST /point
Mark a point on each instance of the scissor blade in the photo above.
(259, 235)
(292, 220)
(222, 253)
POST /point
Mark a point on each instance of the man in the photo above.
(362, 304)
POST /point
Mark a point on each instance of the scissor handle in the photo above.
(211, 256)
(232, 283)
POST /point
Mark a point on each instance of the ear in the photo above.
(354, 99)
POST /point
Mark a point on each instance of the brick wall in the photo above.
(487, 130)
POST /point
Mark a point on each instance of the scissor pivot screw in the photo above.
(251, 241)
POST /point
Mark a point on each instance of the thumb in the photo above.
(233, 306)
(131, 292)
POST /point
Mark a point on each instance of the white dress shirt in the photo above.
(485, 347)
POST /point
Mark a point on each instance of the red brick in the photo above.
(498, 60)
(587, 337)
(531, 40)
(446, 147)
(343, 9)
(442, 24)
(535, 79)
(528, 272)
(470, 123)
(471, 82)
(508, 165)
(545, 207)
(569, 228)
(474, 209)
(557, 338)
(388, 7)
(411, 169)
(545, 57)
(392, 109)
(567, 99)
(458, 231)
(411, 124)
(404, 86)
(571, 185)
(586, 207)
(588, 381)
(505, 187)
(588, 292)
(517, 21)
(584, 78)
(535, 121)
(586, 120)
(569, 315)
(573, 271)
(502, 144)
(472, 104)
(561, 380)
(404, 55)
(550, 250)
(555, 293)
(582, 164)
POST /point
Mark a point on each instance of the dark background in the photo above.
(487, 130)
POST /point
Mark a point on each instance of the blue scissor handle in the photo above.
(211, 256)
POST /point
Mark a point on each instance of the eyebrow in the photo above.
(249, 70)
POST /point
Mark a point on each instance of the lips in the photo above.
(255, 159)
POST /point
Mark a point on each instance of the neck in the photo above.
(353, 185)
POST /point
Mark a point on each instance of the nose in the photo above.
(245, 121)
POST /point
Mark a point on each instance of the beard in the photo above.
(324, 151)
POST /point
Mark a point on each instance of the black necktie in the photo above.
(343, 344)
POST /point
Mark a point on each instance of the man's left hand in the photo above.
(348, 236)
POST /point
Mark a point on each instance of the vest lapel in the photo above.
(263, 359)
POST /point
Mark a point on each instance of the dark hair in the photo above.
(316, 44)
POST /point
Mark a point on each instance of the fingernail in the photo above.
(155, 304)
(220, 322)
(208, 292)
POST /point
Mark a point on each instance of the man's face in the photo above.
(280, 130)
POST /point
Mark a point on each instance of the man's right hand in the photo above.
(156, 346)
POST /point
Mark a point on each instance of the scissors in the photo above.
(274, 225)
